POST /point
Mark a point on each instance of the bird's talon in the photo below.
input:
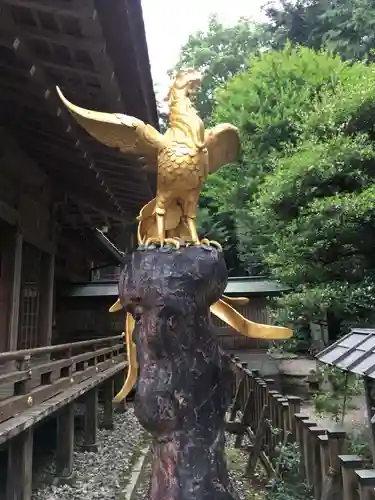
(174, 242)
(216, 244)
(211, 243)
(205, 241)
(152, 243)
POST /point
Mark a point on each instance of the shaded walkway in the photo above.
(101, 475)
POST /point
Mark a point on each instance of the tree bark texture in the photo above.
(184, 385)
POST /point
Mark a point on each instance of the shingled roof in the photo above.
(96, 52)
(355, 352)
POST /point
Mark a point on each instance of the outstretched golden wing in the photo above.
(223, 145)
(126, 133)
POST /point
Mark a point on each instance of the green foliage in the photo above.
(219, 53)
(298, 206)
(288, 484)
(338, 400)
(345, 27)
(270, 103)
(359, 443)
(298, 344)
(303, 192)
(312, 219)
(218, 226)
(271, 100)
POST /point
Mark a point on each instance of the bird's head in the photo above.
(187, 80)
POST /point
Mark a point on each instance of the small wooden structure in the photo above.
(355, 353)
(325, 465)
(84, 305)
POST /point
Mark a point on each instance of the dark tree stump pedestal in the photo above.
(184, 383)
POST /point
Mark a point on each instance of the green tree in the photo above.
(313, 218)
(345, 27)
(270, 104)
(219, 53)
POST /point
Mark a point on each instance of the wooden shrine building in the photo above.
(84, 306)
(57, 185)
(63, 198)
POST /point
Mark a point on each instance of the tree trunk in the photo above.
(184, 382)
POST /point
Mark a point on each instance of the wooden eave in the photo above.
(96, 52)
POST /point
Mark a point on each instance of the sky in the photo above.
(170, 22)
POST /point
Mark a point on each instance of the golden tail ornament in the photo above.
(223, 311)
(131, 351)
(233, 318)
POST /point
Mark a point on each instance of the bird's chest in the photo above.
(179, 163)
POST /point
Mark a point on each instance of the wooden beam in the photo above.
(119, 163)
(91, 420)
(53, 135)
(47, 299)
(131, 197)
(108, 394)
(54, 105)
(120, 46)
(67, 69)
(118, 382)
(59, 7)
(37, 240)
(20, 460)
(16, 292)
(65, 442)
(92, 45)
(135, 27)
(96, 205)
(92, 29)
(58, 152)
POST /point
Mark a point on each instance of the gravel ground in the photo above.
(141, 493)
(355, 415)
(101, 475)
(104, 475)
(236, 463)
(237, 460)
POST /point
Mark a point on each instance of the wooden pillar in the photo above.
(366, 480)
(324, 458)
(336, 445)
(65, 442)
(369, 384)
(47, 299)
(294, 407)
(91, 420)
(349, 463)
(20, 466)
(119, 380)
(316, 465)
(302, 429)
(16, 293)
(108, 404)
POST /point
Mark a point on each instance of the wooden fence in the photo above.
(38, 383)
(258, 409)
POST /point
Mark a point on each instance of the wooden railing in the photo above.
(328, 470)
(37, 383)
(30, 378)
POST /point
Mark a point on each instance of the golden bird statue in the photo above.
(184, 155)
